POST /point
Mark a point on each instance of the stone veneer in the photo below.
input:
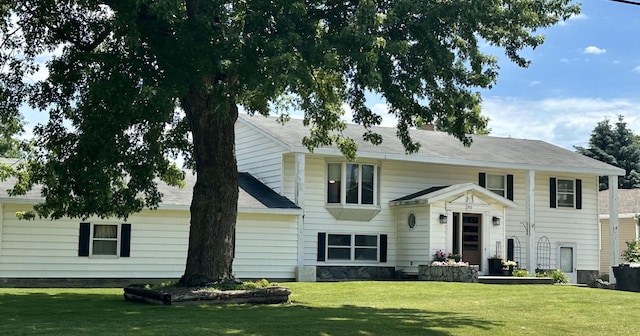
(448, 273)
(333, 273)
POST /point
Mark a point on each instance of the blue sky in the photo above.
(588, 69)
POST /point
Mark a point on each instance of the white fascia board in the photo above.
(272, 211)
(470, 163)
(28, 201)
(622, 215)
(275, 211)
(454, 190)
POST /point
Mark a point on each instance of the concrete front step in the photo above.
(510, 280)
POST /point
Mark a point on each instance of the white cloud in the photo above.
(637, 69)
(534, 83)
(566, 122)
(594, 50)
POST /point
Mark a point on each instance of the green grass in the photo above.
(322, 309)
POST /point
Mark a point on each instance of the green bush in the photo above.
(632, 253)
(520, 273)
(604, 277)
(558, 276)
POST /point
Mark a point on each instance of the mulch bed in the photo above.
(205, 296)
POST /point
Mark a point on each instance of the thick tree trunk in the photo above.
(215, 194)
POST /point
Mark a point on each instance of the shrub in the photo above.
(520, 273)
(604, 277)
(558, 276)
(632, 252)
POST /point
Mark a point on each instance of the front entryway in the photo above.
(467, 237)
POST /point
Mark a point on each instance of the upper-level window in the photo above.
(496, 183)
(565, 193)
(357, 180)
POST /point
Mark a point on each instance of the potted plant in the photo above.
(440, 256)
(508, 266)
(628, 274)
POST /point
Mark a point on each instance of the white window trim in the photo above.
(91, 240)
(352, 248)
(343, 185)
(558, 193)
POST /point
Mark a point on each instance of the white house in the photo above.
(149, 246)
(309, 216)
(389, 211)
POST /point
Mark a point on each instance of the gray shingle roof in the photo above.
(440, 147)
(253, 194)
(628, 201)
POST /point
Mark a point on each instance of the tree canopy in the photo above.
(134, 83)
(617, 146)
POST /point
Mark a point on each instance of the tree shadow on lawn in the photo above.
(109, 314)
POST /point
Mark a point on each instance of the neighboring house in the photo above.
(309, 216)
(389, 212)
(150, 245)
(628, 230)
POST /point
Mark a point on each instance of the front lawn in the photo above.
(327, 309)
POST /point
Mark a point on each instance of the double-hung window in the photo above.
(358, 181)
(98, 239)
(565, 193)
(500, 184)
(497, 184)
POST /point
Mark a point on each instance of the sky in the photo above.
(587, 70)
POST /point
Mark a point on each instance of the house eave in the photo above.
(463, 162)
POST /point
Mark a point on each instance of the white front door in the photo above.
(566, 260)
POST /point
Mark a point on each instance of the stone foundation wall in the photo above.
(448, 273)
(587, 276)
(332, 273)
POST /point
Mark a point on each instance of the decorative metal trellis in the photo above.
(543, 257)
(516, 250)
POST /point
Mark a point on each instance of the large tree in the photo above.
(133, 83)
(617, 146)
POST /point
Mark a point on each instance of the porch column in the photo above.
(299, 200)
(613, 225)
(529, 223)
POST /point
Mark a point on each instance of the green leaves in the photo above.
(122, 72)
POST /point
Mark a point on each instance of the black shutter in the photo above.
(552, 192)
(83, 242)
(322, 242)
(482, 179)
(578, 194)
(510, 187)
(510, 249)
(383, 248)
(125, 240)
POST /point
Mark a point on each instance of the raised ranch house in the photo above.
(315, 216)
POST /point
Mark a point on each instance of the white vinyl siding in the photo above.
(569, 224)
(259, 155)
(266, 247)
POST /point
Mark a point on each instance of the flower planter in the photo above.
(627, 277)
(495, 266)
